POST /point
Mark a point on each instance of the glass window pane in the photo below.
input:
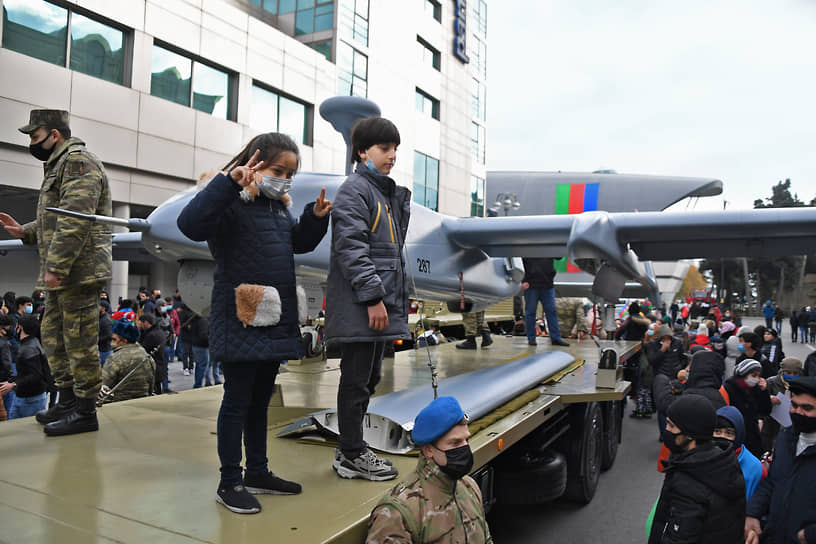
(269, 5)
(326, 8)
(258, 2)
(304, 4)
(419, 168)
(419, 193)
(263, 113)
(35, 28)
(360, 87)
(96, 49)
(360, 30)
(360, 65)
(292, 119)
(286, 6)
(420, 101)
(432, 174)
(361, 8)
(170, 76)
(323, 22)
(210, 89)
(322, 47)
(304, 22)
(431, 199)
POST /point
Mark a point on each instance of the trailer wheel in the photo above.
(583, 447)
(534, 478)
(612, 416)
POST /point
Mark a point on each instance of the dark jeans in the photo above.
(187, 357)
(769, 322)
(360, 370)
(248, 386)
(547, 297)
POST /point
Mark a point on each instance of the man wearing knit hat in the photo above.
(786, 496)
(789, 369)
(128, 356)
(665, 354)
(746, 391)
(438, 501)
(703, 495)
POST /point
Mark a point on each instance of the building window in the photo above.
(427, 104)
(277, 7)
(479, 109)
(352, 68)
(314, 16)
(478, 56)
(428, 56)
(272, 112)
(477, 195)
(477, 140)
(324, 48)
(426, 181)
(480, 16)
(190, 82)
(40, 29)
(434, 9)
(354, 21)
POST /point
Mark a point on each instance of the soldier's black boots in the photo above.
(470, 343)
(65, 405)
(81, 420)
(486, 339)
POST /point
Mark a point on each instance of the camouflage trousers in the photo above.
(70, 338)
(474, 323)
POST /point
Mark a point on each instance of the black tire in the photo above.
(534, 479)
(612, 426)
(583, 447)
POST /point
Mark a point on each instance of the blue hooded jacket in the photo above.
(750, 465)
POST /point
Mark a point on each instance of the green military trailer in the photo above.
(150, 473)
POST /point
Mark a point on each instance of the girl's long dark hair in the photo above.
(271, 144)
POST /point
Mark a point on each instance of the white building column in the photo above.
(119, 283)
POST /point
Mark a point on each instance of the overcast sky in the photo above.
(723, 89)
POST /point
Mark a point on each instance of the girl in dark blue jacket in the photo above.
(243, 215)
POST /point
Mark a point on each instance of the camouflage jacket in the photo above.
(571, 318)
(123, 360)
(430, 507)
(76, 250)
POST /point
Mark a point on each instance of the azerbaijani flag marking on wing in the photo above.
(570, 199)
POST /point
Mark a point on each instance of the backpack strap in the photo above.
(726, 397)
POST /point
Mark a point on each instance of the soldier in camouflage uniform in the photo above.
(474, 324)
(127, 355)
(75, 262)
(438, 502)
(571, 316)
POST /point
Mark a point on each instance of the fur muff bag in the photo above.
(260, 306)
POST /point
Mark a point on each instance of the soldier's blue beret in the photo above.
(436, 419)
(126, 330)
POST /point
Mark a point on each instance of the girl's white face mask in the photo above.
(274, 188)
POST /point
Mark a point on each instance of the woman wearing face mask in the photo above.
(243, 214)
(746, 391)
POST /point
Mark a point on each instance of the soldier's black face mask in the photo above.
(459, 461)
(39, 152)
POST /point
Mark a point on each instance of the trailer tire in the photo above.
(612, 426)
(535, 478)
(583, 449)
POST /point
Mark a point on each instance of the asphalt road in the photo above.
(625, 495)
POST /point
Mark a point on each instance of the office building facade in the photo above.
(165, 91)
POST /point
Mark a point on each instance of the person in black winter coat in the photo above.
(704, 378)
(703, 494)
(153, 339)
(746, 392)
(786, 496)
(751, 348)
(367, 291)
(635, 325)
(772, 349)
(665, 353)
(243, 214)
(33, 374)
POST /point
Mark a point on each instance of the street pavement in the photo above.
(625, 495)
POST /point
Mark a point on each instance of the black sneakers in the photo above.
(559, 342)
(268, 483)
(237, 499)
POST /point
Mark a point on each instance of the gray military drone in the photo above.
(474, 262)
